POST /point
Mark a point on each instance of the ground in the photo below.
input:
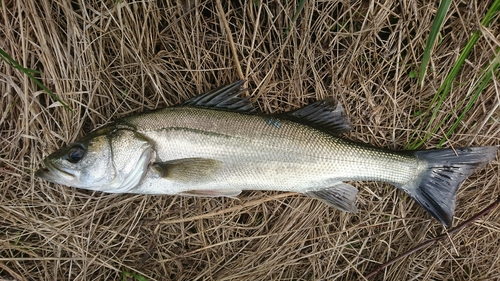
(109, 59)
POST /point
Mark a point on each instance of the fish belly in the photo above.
(264, 153)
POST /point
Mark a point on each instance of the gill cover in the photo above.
(131, 153)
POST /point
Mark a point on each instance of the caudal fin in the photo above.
(436, 188)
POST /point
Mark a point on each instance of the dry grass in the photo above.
(109, 59)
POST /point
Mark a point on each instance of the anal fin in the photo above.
(340, 196)
(231, 193)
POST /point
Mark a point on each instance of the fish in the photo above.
(218, 144)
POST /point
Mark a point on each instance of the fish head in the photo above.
(110, 160)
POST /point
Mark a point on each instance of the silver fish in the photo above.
(216, 145)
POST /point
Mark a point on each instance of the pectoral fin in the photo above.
(188, 169)
(340, 196)
(232, 193)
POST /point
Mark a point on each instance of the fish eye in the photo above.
(76, 153)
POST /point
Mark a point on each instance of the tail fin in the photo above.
(436, 188)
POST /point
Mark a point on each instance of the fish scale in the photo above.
(303, 158)
(217, 145)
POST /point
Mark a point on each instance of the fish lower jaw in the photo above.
(57, 175)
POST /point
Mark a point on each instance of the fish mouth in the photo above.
(54, 174)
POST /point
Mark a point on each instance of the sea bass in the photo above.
(217, 145)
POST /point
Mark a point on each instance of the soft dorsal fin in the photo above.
(325, 114)
(225, 97)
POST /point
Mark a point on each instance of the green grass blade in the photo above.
(436, 26)
(444, 89)
(29, 72)
(492, 12)
(136, 276)
(478, 89)
(295, 16)
(9, 60)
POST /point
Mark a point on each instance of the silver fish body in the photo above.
(215, 145)
(260, 153)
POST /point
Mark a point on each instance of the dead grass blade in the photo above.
(434, 240)
(109, 59)
(29, 72)
(445, 88)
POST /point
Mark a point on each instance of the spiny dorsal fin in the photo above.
(326, 115)
(225, 97)
(188, 169)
